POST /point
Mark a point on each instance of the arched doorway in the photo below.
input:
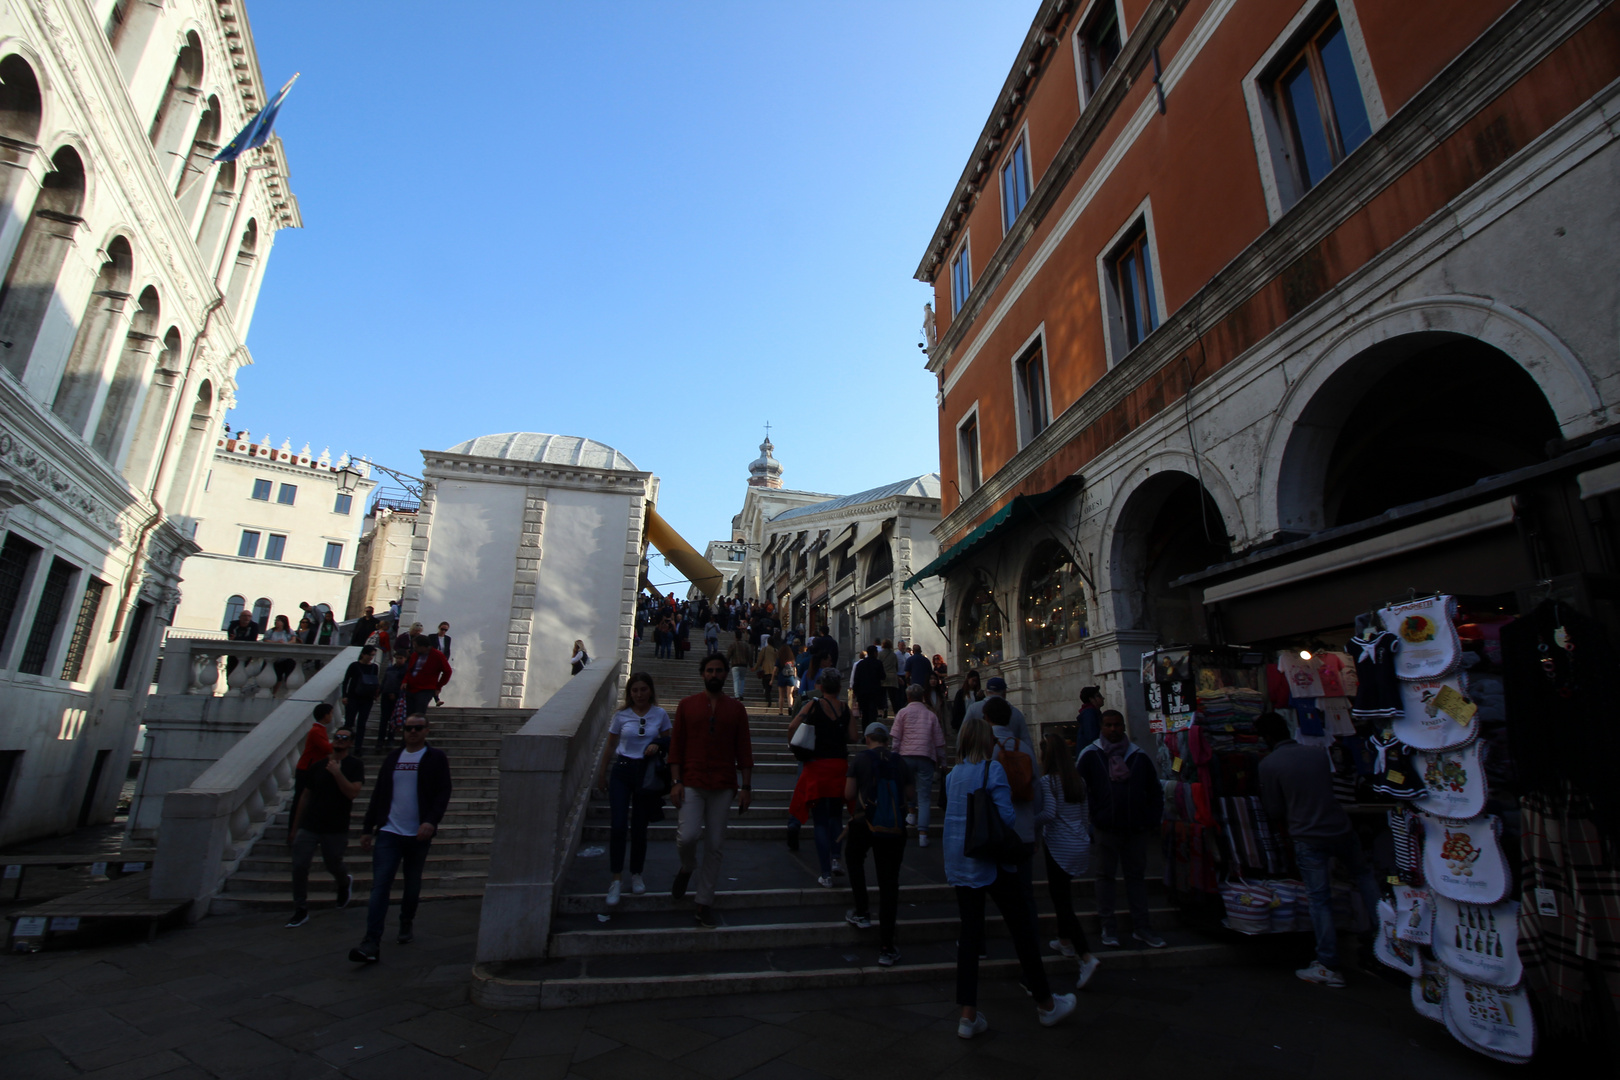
(1170, 527)
(1412, 418)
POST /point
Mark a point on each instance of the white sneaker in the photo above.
(1062, 1006)
(838, 868)
(637, 886)
(1088, 968)
(966, 1029)
(1062, 949)
(613, 894)
(825, 881)
(1318, 973)
(922, 839)
(911, 819)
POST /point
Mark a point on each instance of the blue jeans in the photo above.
(827, 816)
(1315, 859)
(387, 852)
(739, 679)
(924, 770)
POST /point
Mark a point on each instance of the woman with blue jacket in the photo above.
(975, 879)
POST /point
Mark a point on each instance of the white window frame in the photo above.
(1277, 178)
(1079, 53)
(1020, 139)
(964, 251)
(962, 472)
(1021, 410)
(1114, 316)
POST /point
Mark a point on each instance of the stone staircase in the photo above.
(778, 928)
(458, 862)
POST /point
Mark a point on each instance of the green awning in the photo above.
(1021, 508)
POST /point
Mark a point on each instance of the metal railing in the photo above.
(209, 826)
(547, 769)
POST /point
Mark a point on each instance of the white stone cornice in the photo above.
(438, 465)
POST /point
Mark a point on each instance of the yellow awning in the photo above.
(683, 556)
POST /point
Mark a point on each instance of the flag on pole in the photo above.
(257, 132)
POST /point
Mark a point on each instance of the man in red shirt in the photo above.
(426, 672)
(710, 757)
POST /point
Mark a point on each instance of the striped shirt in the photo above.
(1065, 829)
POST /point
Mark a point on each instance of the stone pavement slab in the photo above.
(239, 997)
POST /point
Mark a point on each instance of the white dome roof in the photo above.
(547, 449)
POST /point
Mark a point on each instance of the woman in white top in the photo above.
(281, 634)
(638, 735)
(1066, 838)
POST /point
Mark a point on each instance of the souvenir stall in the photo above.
(1476, 747)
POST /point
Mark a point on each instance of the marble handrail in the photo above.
(208, 827)
(547, 769)
(192, 665)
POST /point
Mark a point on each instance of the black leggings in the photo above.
(1058, 883)
(1009, 898)
(887, 851)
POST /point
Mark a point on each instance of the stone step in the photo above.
(657, 898)
(320, 896)
(281, 861)
(562, 984)
(321, 882)
(664, 832)
(796, 933)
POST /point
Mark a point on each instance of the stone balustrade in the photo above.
(547, 769)
(200, 666)
(210, 825)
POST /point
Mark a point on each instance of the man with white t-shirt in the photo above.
(409, 801)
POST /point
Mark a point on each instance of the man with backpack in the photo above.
(1017, 759)
(1126, 803)
(880, 792)
(995, 687)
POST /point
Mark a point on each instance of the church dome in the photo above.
(546, 449)
(765, 470)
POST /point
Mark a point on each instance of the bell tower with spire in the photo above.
(765, 471)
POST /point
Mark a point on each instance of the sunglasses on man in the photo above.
(415, 727)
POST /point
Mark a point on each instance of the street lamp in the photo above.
(348, 479)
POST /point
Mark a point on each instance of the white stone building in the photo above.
(132, 268)
(275, 528)
(382, 556)
(526, 543)
(728, 557)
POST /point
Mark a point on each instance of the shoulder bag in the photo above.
(987, 837)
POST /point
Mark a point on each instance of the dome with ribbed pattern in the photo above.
(546, 449)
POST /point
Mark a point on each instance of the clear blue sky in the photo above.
(656, 225)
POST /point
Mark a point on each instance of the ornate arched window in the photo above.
(1052, 603)
(261, 612)
(233, 609)
(979, 630)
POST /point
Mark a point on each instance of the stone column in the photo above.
(515, 668)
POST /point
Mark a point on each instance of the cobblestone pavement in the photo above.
(242, 997)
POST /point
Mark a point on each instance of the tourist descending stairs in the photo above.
(778, 929)
(458, 861)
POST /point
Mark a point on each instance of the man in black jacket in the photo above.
(409, 801)
(1126, 803)
(866, 683)
(359, 690)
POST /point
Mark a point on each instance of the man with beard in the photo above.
(710, 758)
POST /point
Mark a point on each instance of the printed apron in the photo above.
(1430, 647)
(1462, 860)
(1479, 943)
(1429, 992)
(1437, 714)
(1454, 781)
(1403, 956)
(1491, 1020)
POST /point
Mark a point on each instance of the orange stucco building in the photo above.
(1238, 304)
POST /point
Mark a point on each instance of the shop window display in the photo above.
(979, 631)
(1052, 605)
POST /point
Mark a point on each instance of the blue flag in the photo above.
(258, 130)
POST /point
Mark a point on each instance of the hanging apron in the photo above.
(1493, 1021)
(1479, 943)
(1428, 719)
(1429, 992)
(1455, 782)
(1427, 630)
(1414, 914)
(1403, 956)
(1462, 860)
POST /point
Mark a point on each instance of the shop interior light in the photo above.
(1304, 654)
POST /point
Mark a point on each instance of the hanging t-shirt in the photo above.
(1454, 781)
(1378, 691)
(1462, 860)
(1479, 942)
(1327, 673)
(1303, 681)
(404, 814)
(1430, 647)
(1337, 712)
(1437, 714)
(1493, 1021)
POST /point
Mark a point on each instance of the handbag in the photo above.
(987, 837)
